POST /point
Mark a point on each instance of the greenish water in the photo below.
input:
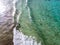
(40, 18)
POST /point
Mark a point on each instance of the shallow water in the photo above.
(41, 18)
(18, 37)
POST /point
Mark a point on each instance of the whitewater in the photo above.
(18, 37)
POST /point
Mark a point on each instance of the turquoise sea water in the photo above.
(41, 18)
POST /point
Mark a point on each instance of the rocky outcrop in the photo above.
(6, 22)
(6, 32)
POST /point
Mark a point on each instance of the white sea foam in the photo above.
(26, 5)
(19, 38)
(2, 8)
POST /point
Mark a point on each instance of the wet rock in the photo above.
(6, 34)
(6, 23)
